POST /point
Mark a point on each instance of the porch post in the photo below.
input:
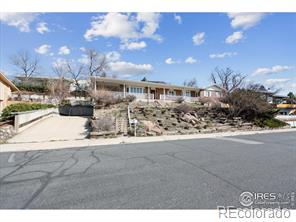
(124, 90)
(148, 93)
(95, 84)
(163, 93)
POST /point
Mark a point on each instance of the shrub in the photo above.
(32, 88)
(183, 108)
(22, 107)
(271, 123)
(130, 98)
(210, 102)
(105, 123)
(249, 105)
(104, 97)
(180, 100)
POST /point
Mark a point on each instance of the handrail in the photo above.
(129, 115)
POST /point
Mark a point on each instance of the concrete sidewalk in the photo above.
(50, 145)
(55, 128)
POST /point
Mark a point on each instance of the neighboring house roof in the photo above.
(263, 90)
(41, 78)
(280, 97)
(161, 82)
(145, 80)
(213, 88)
(7, 82)
(144, 83)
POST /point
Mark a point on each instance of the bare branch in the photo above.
(76, 73)
(228, 79)
(27, 65)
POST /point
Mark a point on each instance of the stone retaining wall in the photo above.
(6, 132)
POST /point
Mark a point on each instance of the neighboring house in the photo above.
(214, 92)
(41, 81)
(266, 94)
(270, 96)
(278, 99)
(147, 90)
(37, 88)
(287, 109)
(6, 89)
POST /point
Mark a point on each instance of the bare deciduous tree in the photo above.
(247, 103)
(191, 83)
(228, 79)
(25, 63)
(76, 72)
(59, 69)
(59, 88)
(96, 63)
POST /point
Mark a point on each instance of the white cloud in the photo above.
(222, 55)
(21, 21)
(59, 62)
(113, 56)
(190, 60)
(285, 85)
(178, 19)
(83, 49)
(129, 69)
(170, 61)
(133, 45)
(64, 50)
(198, 38)
(42, 27)
(234, 38)
(150, 24)
(43, 49)
(276, 81)
(245, 20)
(83, 59)
(272, 70)
(124, 26)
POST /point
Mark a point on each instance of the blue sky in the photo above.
(172, 47)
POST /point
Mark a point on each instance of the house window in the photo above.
(187, 94)
(171, 93)
(206, 93)
(218, 94)
(2, 92)
(136, 90)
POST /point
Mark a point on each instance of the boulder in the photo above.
(189, 119)
(149, 127)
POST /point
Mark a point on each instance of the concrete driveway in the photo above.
(181, 174)
(54, 128)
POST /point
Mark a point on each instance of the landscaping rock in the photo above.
(6, 132)
(151, 127)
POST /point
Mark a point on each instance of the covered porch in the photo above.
(148, 91)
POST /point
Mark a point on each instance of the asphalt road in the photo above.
(187, 174)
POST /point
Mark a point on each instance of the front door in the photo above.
(152, 91)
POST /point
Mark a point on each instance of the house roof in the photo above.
(143, 83)
(7, 82)
(41, 78)
(213, 86)
(262, 89)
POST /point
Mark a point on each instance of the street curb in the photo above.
(51, 145)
